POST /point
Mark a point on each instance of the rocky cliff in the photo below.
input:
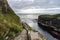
(50, 23)
(11, 28)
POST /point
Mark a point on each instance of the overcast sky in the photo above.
(35, 6)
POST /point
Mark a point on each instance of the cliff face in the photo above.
(50, 23)
(9, 21)
(11, 27)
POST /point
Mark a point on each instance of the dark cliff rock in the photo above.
(51, 25)
(4, 6)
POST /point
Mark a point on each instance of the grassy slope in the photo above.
(56, 16)
(8, 21)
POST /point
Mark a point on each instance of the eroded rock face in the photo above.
(50, 25)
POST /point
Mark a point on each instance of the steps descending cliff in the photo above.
(32, 35)
(29, 34)
(10, 24)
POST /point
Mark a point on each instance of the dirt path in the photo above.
(22, 36)
(32, 36)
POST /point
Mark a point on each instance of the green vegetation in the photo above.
(56, 16)
(27, 27)
(9, 24)
(43, 38)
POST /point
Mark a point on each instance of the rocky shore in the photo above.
(51, 25)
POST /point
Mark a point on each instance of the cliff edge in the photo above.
(11, 27)
(50, 23)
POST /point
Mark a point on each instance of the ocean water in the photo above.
(30, 20)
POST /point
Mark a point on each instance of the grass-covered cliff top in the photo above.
(9, 23)
(56, 16)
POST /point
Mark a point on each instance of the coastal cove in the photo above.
(25, 22)
(29, 19)
(33, 24)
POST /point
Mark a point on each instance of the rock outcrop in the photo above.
(52, 25)
(32, 35)
(4, 6)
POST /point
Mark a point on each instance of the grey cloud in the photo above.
(37, 4)
(41, 3)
